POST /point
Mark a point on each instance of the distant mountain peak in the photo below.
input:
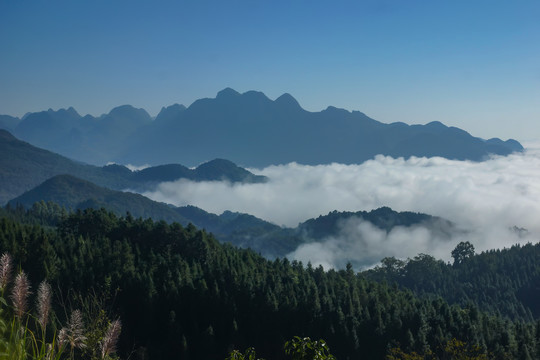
(227, 93)
(511, 143)
(124, 108)
(173, 107)
(335, 110)
(170, 112)
(215, 164)
(221, 169)
(130, 112)
(70, 111)
(252, 94)
(287, 100)
(222, 163)
(436, 123)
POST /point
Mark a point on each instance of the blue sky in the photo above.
(471, 64)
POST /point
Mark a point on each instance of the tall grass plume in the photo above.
(5, 271)
(44, 297)
(108, 346)
(20, 293)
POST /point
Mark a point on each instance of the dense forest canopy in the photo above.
(183, 295)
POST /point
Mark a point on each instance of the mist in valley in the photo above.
(493, 204)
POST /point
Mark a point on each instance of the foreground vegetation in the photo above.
(24, 335)
(182, 295)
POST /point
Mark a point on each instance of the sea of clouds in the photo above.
(494, 204)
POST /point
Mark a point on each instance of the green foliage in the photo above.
(398, 354)
(453, 350)
(306, 349)
(459, 350)
(501, 282)
(183, 295)
(297, 349)
(384, 218)
(249, 354)
(74, 193)
(463, 251)
(24, 335)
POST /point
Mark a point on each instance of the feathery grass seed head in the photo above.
(5, 270)
(20, 293)
(62, 338)
(73, 333)
(76, 336)
(44, 303)
(108, 346)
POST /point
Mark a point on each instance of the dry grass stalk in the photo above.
(73, 333)
(5, 270)
(44, 303)
(20, 293)
(110, 339)
(62, 338)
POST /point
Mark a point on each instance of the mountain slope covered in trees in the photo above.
(243, 230)
(502, 281)
(73, 193)
(183, 295)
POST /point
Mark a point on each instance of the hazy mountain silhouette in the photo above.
(24, 166)
(250, 129)
(82, 138)
(8, 122)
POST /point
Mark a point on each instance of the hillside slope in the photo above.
(24, 166)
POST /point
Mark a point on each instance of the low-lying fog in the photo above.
(487, 199)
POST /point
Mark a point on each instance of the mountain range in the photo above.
(24, 166)
(249, 128)
(32, 175)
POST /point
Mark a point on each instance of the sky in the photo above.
(471, 64)
(493, 204)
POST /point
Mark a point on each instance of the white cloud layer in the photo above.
(486, 199)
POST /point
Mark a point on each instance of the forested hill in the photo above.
(24, 166)
(384, 218)
(505, 282)
(239, 229)
(248, 128)
(72, 193)
(182, 295)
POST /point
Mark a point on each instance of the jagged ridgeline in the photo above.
(183, 295)
(248, 128)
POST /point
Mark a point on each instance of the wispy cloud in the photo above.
(132, 167)
(486, 199)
